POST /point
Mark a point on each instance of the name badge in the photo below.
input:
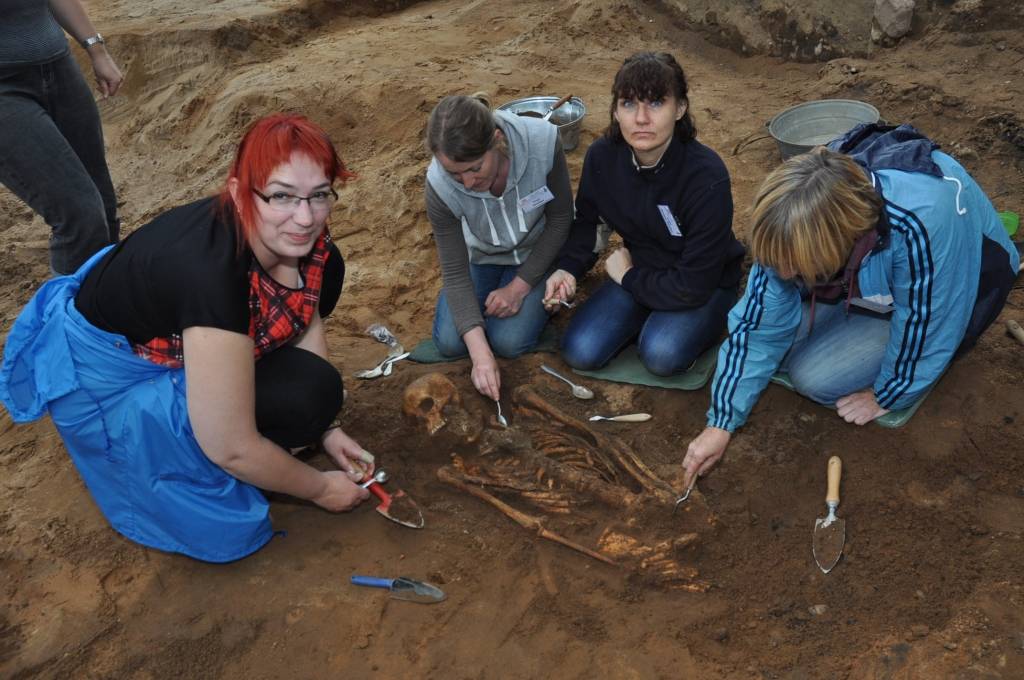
(536, 199)
(670, 221)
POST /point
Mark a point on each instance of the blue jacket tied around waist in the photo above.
(124, 420)
(946, 245)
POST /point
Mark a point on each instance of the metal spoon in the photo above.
(627, 418)
(501, 418)
(379, 477)
(383, 368)
(557, 301)
(684, 496)
(578, 391)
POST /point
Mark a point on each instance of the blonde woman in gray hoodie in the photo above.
(499, 200)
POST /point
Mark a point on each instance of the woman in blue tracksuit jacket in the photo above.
(924, 267)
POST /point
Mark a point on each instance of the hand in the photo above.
(108, 76)
(506, 301)
(617, 264)
(486, 377)
(561, 285)
(356, 461)
(703, 452)
(339, 493)
(860, 408)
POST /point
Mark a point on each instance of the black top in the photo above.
(182, 269)
(29, 34)
(688, 193)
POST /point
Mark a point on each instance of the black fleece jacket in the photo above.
(688, 192)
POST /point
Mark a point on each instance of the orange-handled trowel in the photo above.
(830, 532)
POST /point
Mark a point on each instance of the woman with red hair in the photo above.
(183, 365)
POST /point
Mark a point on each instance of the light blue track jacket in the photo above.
(926, 278)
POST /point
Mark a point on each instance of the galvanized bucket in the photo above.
(800, 128)
(568, 117)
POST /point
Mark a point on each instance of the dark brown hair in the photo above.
(651, 76)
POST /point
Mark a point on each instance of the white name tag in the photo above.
(872, 305)
(536, 199)
(670, 221)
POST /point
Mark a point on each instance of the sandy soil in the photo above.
(930, 585)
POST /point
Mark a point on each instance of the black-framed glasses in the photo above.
(319, 201)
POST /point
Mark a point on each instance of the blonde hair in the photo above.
(809, 212)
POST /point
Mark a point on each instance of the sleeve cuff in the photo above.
(531, 279)
(722, 424)
(572, 266)
(628, 278)
(468, 327)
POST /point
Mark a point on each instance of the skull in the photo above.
(427, 397)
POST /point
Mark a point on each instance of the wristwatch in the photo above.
(93, 40)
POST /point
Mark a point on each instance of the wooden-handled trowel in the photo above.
(830, 532)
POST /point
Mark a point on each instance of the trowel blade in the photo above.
(405, 588)
(829, 539)
(402, 509)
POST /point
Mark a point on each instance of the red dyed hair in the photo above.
(268, 144)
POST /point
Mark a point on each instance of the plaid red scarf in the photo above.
(277, 314)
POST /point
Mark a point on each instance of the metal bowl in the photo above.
(568, 117)
(802, 127)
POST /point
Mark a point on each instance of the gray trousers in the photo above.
(51, 157)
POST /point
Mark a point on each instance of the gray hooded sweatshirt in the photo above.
(500, 230)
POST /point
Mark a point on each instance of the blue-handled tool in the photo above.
(403, 588)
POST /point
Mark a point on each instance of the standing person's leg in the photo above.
(601, 327)
(73, 109)
(39, 166)
(514, 335)
(485, 278)
(841, 354)
(671, 341)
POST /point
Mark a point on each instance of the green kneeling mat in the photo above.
(426, 351)
(892, 419)
(1011, 221)
(627, 368)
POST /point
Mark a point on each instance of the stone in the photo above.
(893, 17)
(818, 609)
(950, 646)
(920, 631)
(721, 635)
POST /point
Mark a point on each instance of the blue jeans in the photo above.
(842, 355)
(508, 337)
(668, 342)
(51, 157)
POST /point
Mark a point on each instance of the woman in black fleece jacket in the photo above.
(668, 197)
